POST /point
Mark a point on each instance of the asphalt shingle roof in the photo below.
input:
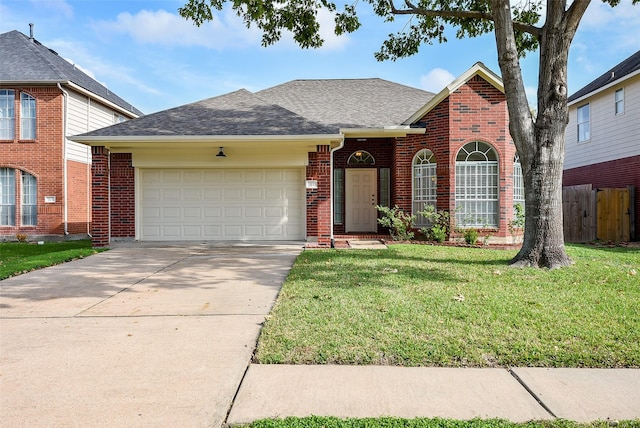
(236, 113)
(300, 107)
(25, 60)
(349, 103)
(621, 70)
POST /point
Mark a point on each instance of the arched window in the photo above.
(361, 157)
(518, 183)
(425, 183)
(477, 186)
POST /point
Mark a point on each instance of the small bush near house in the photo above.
(440, 224)
(397, 221)
(471, 236)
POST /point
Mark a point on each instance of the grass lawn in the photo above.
(329, 422)
(20, 257)
(421, 305)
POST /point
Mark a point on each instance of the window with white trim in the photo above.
(477, 186)
(619, 101)
(7, 114)
(29, 205)
(7, 197)
(338, 196)
(584, 119)
(385, 187)
(425, 184)
(518, 183)
(27, 117)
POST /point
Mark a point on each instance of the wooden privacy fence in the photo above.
(603, 214)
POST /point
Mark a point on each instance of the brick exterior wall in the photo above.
(319, 200)
(79, 193)
(42, 158)
(122, 196)
(618, 173)
(100, 227)
(477, 111)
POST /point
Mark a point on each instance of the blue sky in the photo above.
(146, 53)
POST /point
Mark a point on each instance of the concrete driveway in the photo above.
(141, 335)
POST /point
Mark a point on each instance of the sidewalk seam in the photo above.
(530, 391)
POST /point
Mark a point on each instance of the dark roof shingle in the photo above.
(621, 70)
(235, 113)
(25, 60)
(349, 103)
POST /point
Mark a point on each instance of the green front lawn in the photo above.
(329, 422)
(422, 305)
(20, 257)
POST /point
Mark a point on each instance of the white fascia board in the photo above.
(388, 131)
(143, 140)
(80, 89)
(604, 88)
(477, 69)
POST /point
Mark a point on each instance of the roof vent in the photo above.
(31, 31)
(613, 74)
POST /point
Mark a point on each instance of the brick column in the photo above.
(319, 200)
(100, 230)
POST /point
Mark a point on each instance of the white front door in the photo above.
(361, 198)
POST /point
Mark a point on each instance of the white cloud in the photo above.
(601, 16)
(168, 29)
(436, 80)
(59, 7)
(96, 67)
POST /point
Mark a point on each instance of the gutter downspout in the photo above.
(338, 147)
(65, 114)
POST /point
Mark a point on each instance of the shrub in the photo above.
(471, 236)
(440, 224)
(517, 224)
(397, 221)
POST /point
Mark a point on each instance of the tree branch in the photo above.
(463, 14)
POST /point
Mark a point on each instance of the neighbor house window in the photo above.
(425, 183)
(518, 184)
(29, 205)
(477, 186)
(27, 117)
(7, 197)
(7, 114)
(584, 118)
(338, 196)
(619, 97)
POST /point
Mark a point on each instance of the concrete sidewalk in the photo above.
(519, 395)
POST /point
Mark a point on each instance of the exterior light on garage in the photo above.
(221, 153)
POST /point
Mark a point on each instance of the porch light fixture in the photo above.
(221, 153)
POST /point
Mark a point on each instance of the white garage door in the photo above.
(203, 204)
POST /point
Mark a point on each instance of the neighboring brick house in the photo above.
(307, 160)
(603, 134)
(45, 179)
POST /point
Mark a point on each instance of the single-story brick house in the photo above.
(307, 160)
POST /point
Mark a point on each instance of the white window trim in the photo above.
(423, 167)
(587, 122)
(617, 102)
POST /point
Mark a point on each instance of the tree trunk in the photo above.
(540, 145)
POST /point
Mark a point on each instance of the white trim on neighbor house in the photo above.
(612, 136)
(616, 82)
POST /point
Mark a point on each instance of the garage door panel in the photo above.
(222, 204)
